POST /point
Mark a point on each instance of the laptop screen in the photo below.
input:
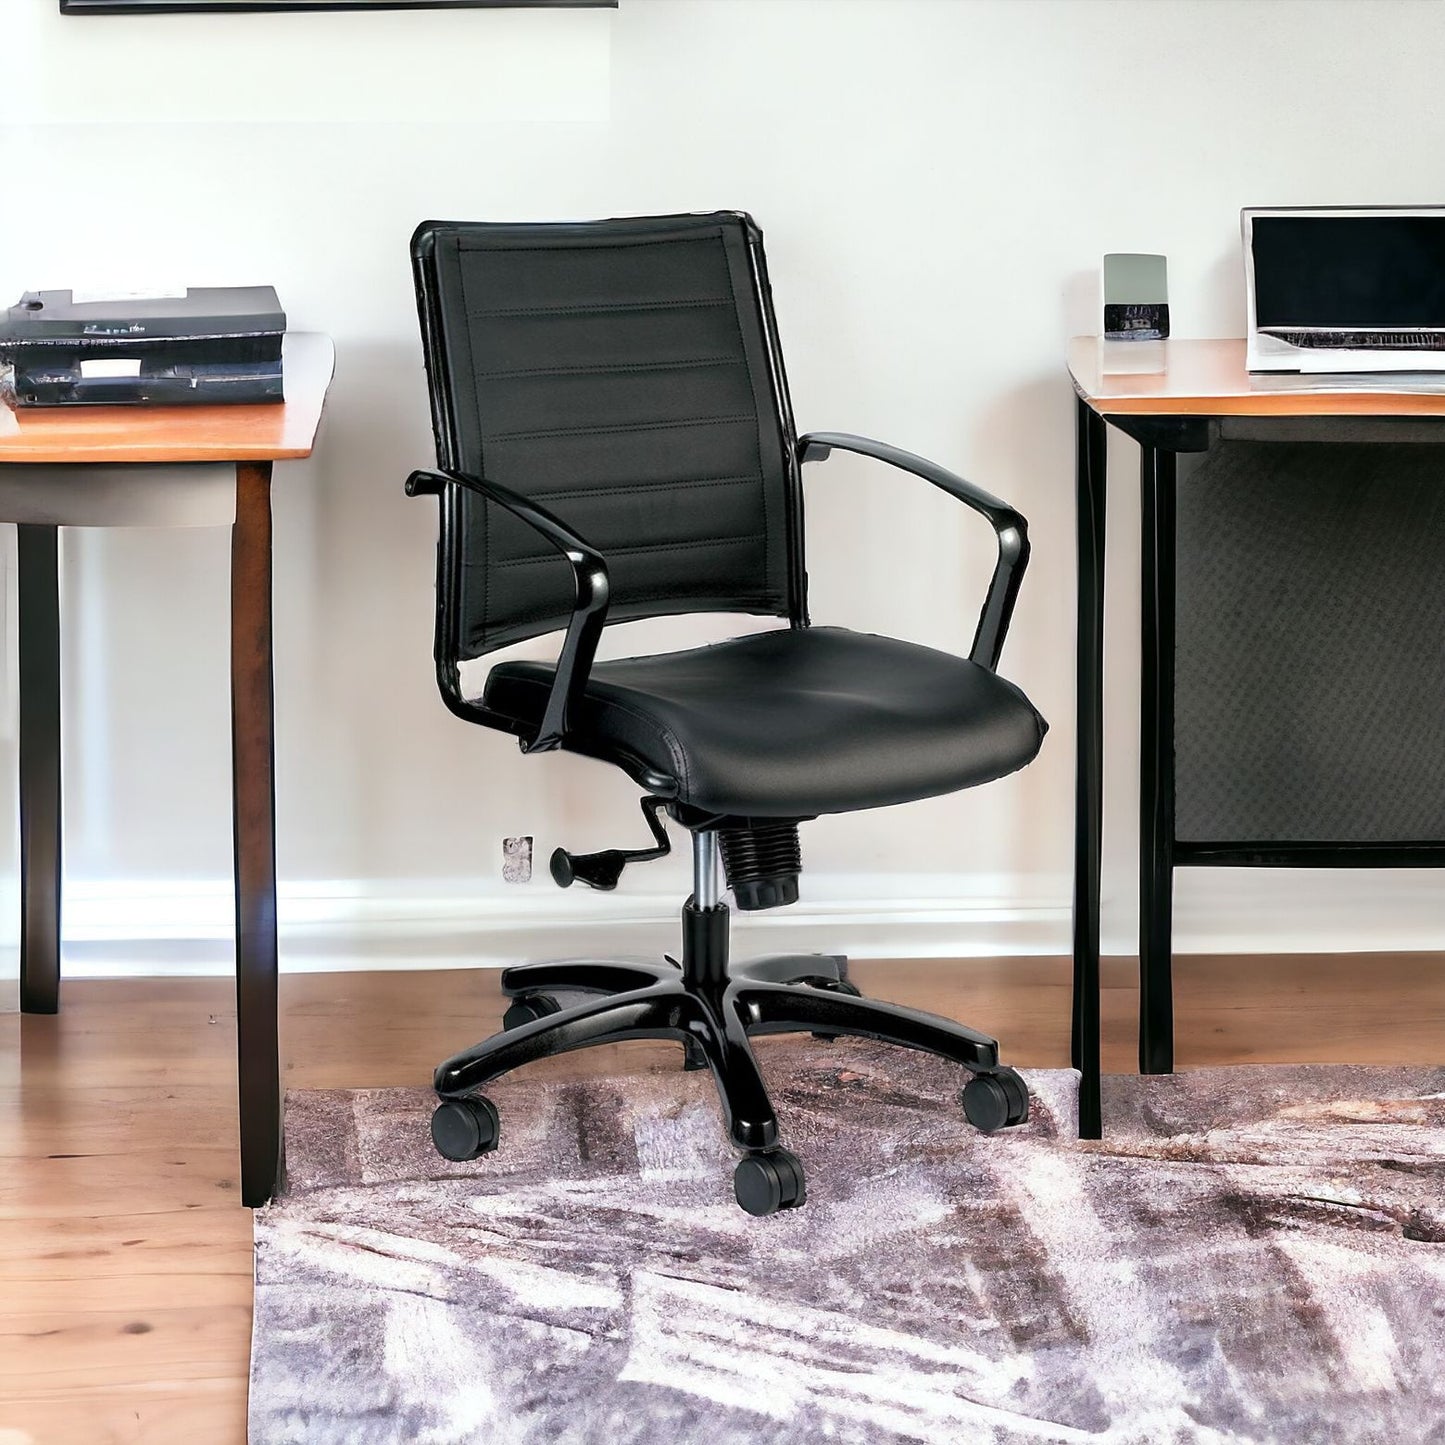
(1369, 271)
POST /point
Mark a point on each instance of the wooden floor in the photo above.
(125, 1258)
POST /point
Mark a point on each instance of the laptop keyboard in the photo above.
(1363, 340)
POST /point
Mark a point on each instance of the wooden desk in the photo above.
(1208, 378)
(1200, 396)
(163, 466)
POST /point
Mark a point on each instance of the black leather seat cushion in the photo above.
(793, 723)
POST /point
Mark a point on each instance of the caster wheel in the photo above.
(995, 1101)
(832, 985)
(465, 1128)
(768, 1182)
(693, 1057)
(529, 1008)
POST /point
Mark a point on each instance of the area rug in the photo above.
(1253, 1255)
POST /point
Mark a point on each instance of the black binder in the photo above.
(214, 344)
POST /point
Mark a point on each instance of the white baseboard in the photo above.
(120, 930)
(127, 929)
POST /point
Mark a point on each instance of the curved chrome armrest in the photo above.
(1008, 525)
(589, 572)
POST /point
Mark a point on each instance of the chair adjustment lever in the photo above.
(602, 870)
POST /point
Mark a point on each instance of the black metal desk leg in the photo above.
(1156, 765)
(254, 816)
(39, 579)
(1090, 459)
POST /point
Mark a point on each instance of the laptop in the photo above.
(1345, 288)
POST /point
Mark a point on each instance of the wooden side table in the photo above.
(163, 466)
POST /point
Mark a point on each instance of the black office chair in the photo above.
(627, 374)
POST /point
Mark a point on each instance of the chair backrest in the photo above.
(624, 374)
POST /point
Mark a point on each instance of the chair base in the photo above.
(712, 1011)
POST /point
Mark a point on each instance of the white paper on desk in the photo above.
(91, 298)
(1406, 381)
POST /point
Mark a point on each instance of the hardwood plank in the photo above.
(117, 1261)
(209, 1410)
(71, 1348)
(1383, 1008)
(149, 1178)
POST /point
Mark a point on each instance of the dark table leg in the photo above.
(39, 579)
(1156, 765)
(1090, 458)
(254, 816)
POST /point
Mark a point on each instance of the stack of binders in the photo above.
(214, 344)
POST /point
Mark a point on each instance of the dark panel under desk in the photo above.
(1310, 642)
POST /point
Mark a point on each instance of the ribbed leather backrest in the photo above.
(618, 373)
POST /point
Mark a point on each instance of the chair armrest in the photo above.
(1008, 525)
(589, 572)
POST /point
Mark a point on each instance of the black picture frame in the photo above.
(175, 7)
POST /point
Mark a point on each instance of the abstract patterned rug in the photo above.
(1253, 1255)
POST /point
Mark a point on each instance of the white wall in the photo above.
(937, 182)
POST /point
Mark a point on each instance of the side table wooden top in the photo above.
(267, 432)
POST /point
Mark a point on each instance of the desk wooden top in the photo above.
(268, 432)
(1209, 378)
